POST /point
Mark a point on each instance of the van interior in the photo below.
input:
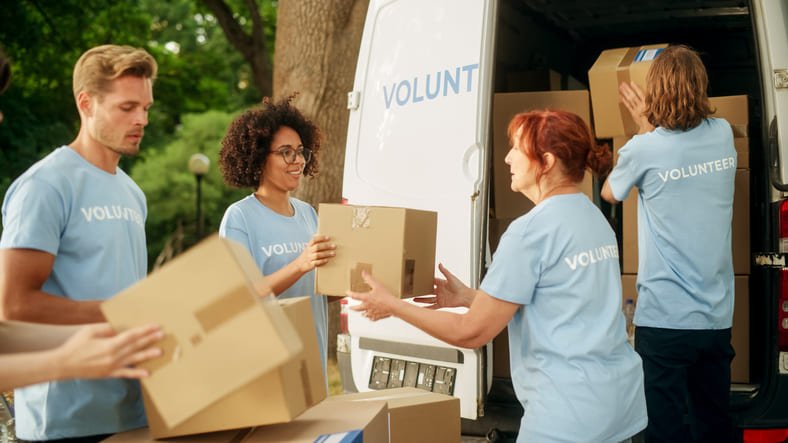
(543, 45)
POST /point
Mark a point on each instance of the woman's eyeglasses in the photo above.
(291, 155)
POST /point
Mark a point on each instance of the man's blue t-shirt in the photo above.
(93, 223)
(572, 369)
(275, 240)
(685, 206)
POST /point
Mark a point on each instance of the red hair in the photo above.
(566, 136)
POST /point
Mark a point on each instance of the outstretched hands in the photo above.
(449, 293)
(376, 304)
(318, 252)
(634, 100)
(96, 351)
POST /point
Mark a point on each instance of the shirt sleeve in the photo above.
(516, 266)
(233, 226)
(625, 174)
(34, 217)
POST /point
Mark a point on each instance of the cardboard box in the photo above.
(345, 422)
(629, 288)
(613, 67)
(740, 227)
(142, 435)
(734, 109)
(510, 204)
(415, 414)
(231, 359)
(397, 245)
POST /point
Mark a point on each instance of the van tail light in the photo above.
(343, 310)
(784, 226)
(782, 302)
(765, 435)
(344, 201)
(782, 312)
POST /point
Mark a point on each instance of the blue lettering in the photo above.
(387, 96)
(431, 95)
(402, 101)
(469, 69)
(455, 81)
(416, 97)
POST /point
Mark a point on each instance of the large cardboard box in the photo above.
(740, 227)
(510, 204)
(330, 421)
(231, 359)
(613, 67)
(396, 245)
(415, 414)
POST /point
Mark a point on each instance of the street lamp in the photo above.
(199, 164)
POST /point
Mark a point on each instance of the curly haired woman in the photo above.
(270, 149)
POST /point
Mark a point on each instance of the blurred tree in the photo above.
(163, 173)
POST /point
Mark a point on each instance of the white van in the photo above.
(420, 136)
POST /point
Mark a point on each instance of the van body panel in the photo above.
(417, 137)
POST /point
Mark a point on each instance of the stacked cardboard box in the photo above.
(231, 359)
(397, 245)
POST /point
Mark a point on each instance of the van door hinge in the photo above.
(353, 99)
(781, 78)
(773, 260)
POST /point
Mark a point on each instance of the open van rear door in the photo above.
(417, 138)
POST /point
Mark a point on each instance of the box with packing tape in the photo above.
(396, 245)
(414, 414)
(231, 359)
(613, 67)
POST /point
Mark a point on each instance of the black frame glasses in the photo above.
(290, 155)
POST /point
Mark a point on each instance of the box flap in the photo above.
(218, 337)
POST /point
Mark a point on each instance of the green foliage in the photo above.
(171, 189)
(199, 71)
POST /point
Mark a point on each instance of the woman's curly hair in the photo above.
(246, 145)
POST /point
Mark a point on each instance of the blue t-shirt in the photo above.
(572, 369)
(275, 240)
(685, 206)
(93, 223)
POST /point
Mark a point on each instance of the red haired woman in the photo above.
(555, 281)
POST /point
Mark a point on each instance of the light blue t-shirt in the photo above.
(572, 369)
(274, 240)
(93, 223)
(685, 206)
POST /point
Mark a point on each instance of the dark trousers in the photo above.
(687, 381)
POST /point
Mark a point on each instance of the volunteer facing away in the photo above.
(74, 235)
(683, 164)
(555, 280)
(270, 149)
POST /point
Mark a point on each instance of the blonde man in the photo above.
(74, 235)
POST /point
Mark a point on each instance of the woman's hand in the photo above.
(317, 253)
(376, 304)
(634, 100)
(96, 351)
(449, 293)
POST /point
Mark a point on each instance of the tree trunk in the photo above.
(252, 46)
(317, 44)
